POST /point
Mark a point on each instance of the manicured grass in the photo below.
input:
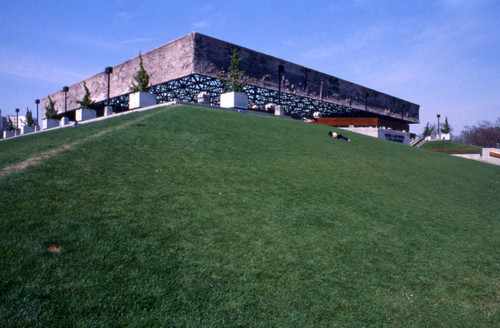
(451, 147)
(194, 217)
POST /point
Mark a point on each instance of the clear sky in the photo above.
(443, 55)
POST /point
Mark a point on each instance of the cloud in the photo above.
(23, 66)
(135, 40)
(124, 15)
(201, 24)
(40, 72)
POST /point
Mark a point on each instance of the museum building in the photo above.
(182, 69)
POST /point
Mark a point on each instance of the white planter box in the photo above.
(108, 110)
(49, 123)
(445, 136)
(27, 129)
(9, 134)
(64, 121)
(141, 99)
(234, 100)
(279, 110)
(84, 114)
(204, 98)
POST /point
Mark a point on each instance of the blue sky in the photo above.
(443, 55)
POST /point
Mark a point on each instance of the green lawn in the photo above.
(196, 217)
(451, 147)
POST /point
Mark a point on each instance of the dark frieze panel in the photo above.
(213, 56)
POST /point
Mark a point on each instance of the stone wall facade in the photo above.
(196, 53)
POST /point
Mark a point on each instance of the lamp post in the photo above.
(37, 102)
(65, 90)
(438, 132)
(17, 120)
(281, 69)
(108, 70)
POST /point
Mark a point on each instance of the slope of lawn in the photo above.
(196, 217)
(451, 147)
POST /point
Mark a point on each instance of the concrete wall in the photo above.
(204, 55)
(386, 134)
(488, 156)
(170, 61)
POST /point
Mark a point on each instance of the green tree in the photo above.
(86, 102)
(11, 126)
(29, 118)
(50, 110)
(236, 81)
(142, 77)
(446, 127)
(428, 131)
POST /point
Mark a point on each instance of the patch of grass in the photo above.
(194, 217)
(451, 147)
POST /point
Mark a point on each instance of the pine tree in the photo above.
(50, 110)
(142, 78)
(428, 131)
(29, 118)
(86, 102)
(11, 126)
(446, 127)
(235, 82)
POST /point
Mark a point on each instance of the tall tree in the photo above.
(29, 118)
(428, 130)
(446, 127)
(11, 126)
(236, 81)
(86, 102)
(50, 110)
(142, 77)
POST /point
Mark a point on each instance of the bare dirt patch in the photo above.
(54, 249)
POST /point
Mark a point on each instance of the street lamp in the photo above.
(108, 70)
(438, 131)
(65, 90)
(281, 69)
(17, 120)
(37, 102)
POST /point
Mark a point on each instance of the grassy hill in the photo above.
(196, 217)
(451, 147)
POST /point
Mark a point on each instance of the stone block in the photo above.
(279, 110)
(49, 123)
(141, 99)
(27, 129)
(64, 121)
(204, 98)
(9, 134)
(234, 100)
(108, 110)
(84, 114)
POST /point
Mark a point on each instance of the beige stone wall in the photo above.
(170, 61)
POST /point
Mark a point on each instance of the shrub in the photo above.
(50, 110)
(86, 102)
(29, 118)
(235, 82)
(142, 78)
(11, 126)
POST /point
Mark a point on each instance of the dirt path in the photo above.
(8, 170)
